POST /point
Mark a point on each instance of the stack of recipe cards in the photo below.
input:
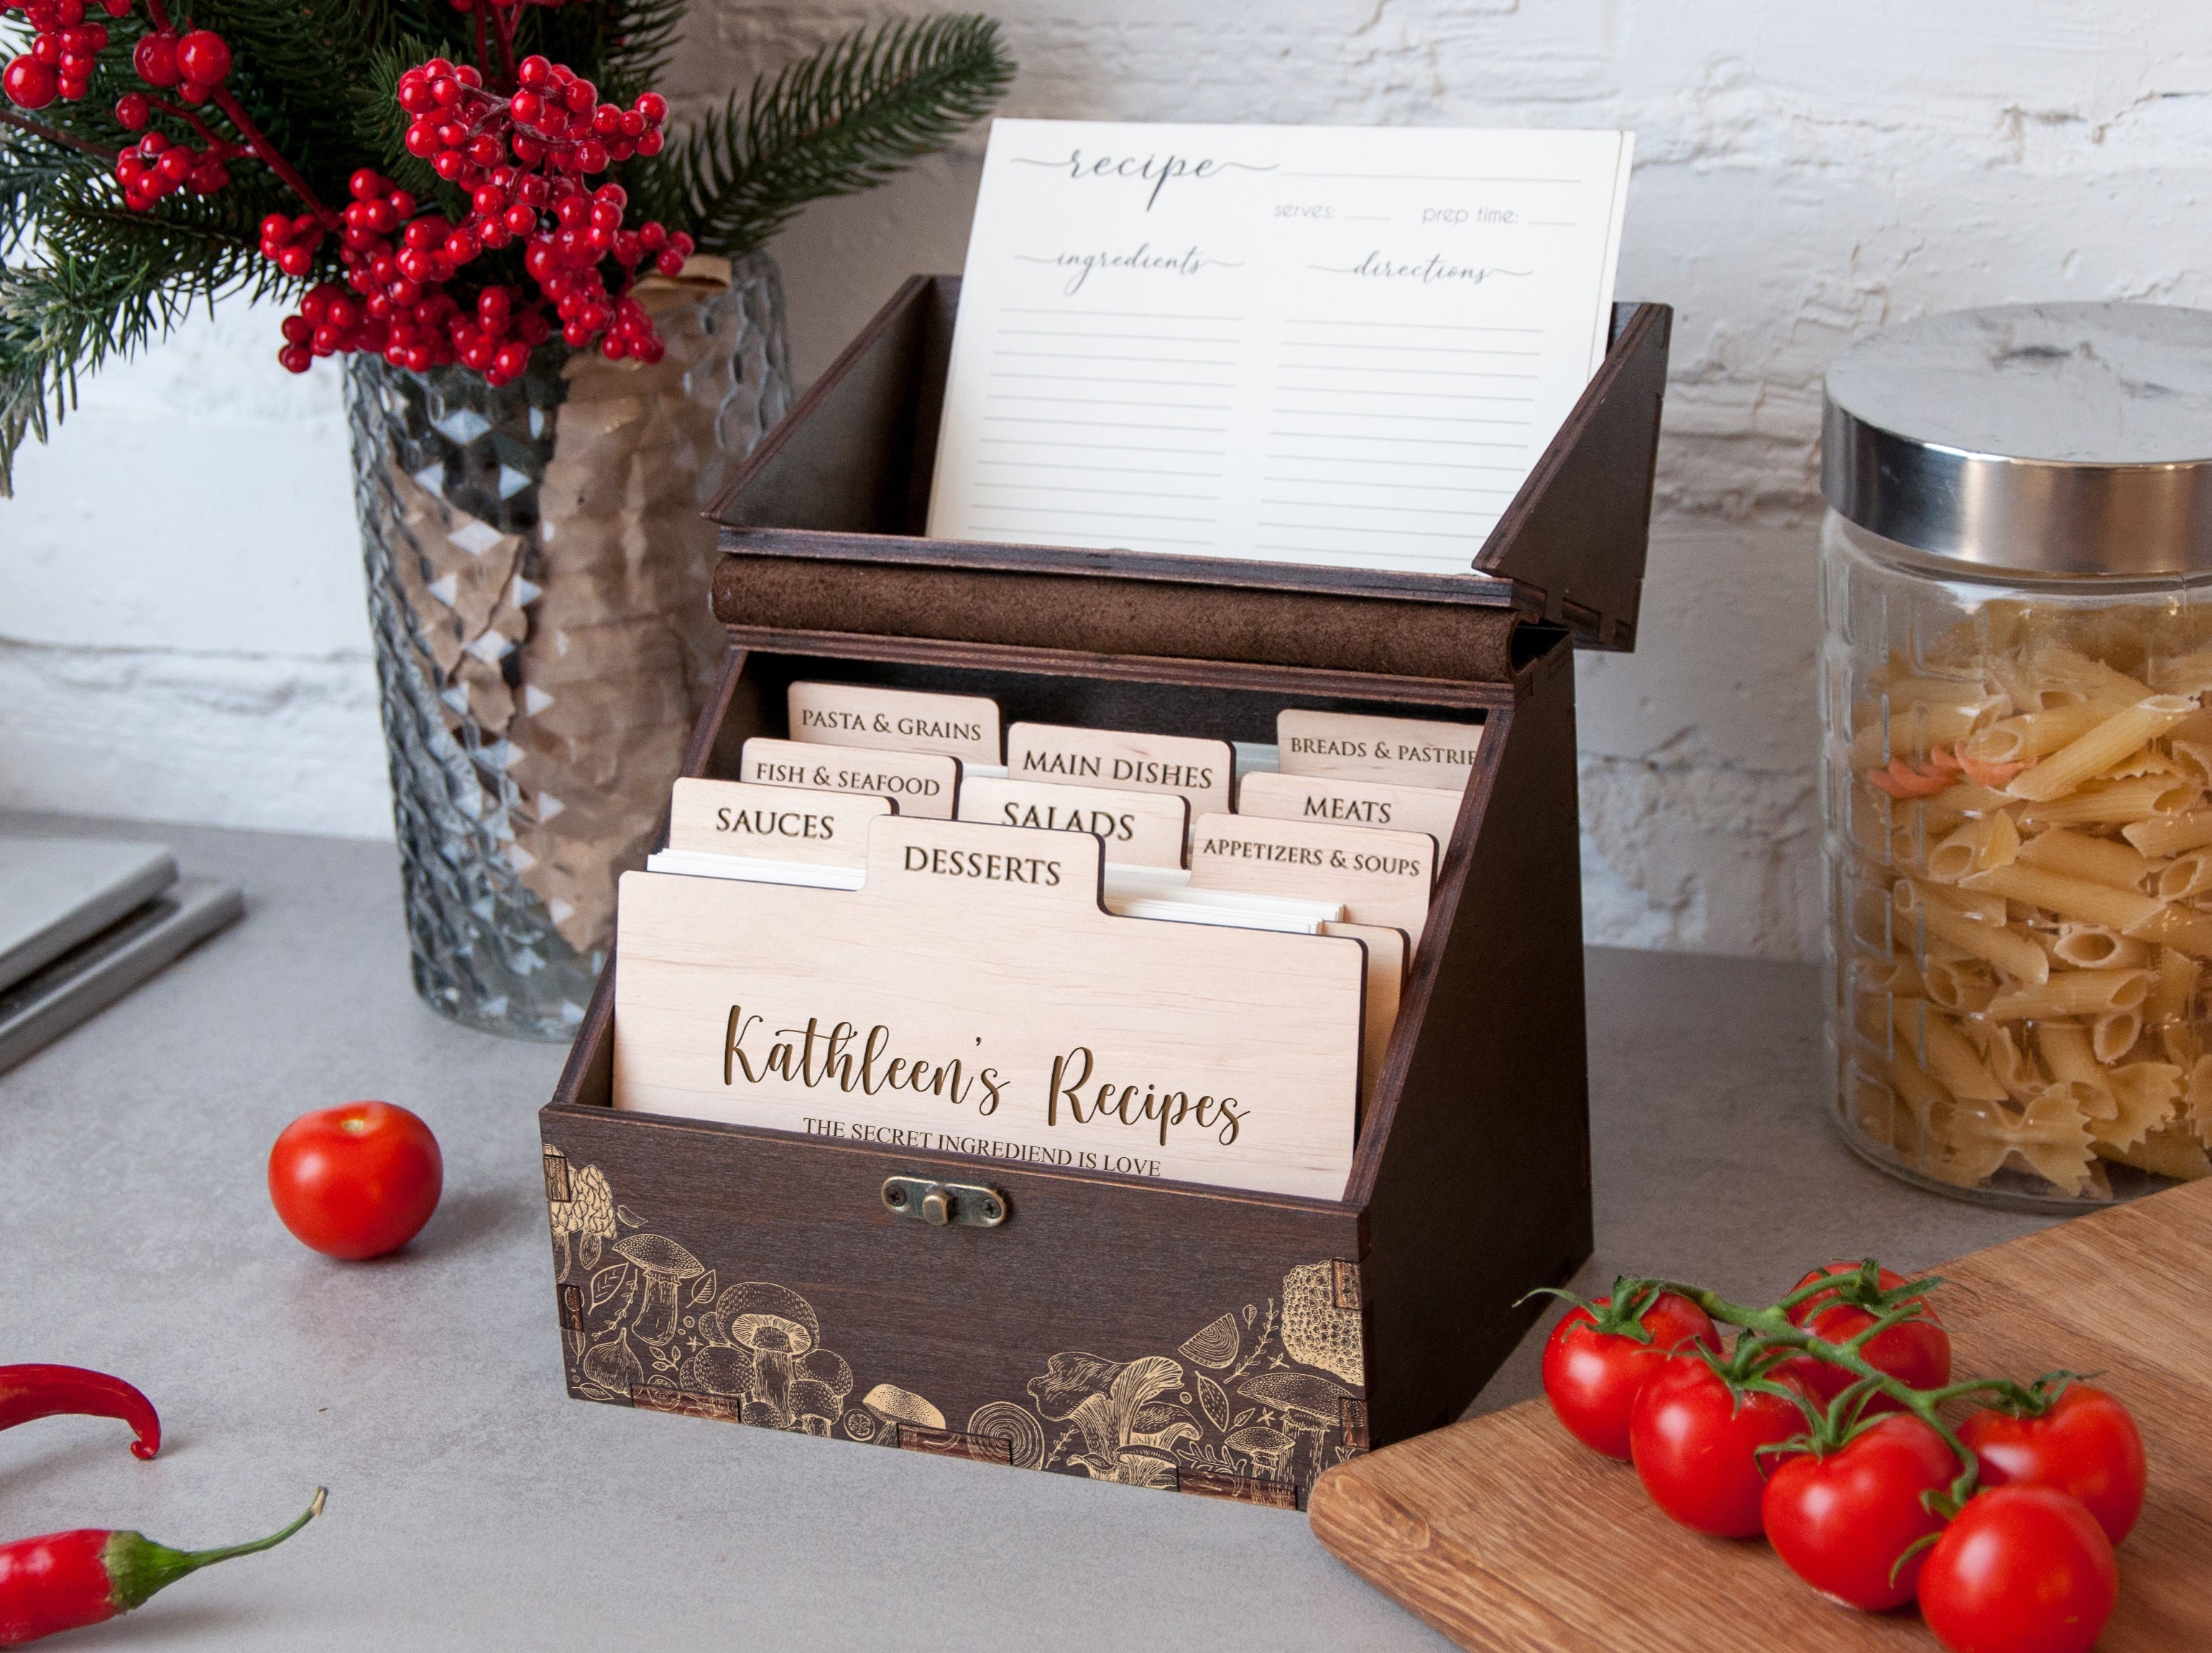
(1294, 343)
(1039, 942)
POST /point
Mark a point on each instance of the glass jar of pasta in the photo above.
(2017, 616)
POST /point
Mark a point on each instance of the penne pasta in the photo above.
(1962, 986)
(2171, 834)
(2071, 672)
(2181, 1044)
(2012, 1065)
(2193, 759)
(2024, 738)
(2070, 897)
(2172, 986)
(2013, 953)
(2028, 908)
(2177, 926)
(1928, 1037)
(2115, 803)
(2186, 875)
(1965, 798)
(2116, 738)
(1886, 730)
(2113, 1036)
(2093, 947)
(2098, 859)
(2073, 993)
(2068, 1053)
(1921, 1091)
(1975, 846)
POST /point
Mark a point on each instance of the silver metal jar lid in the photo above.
(2073, 439)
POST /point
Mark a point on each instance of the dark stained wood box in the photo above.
(1153, 1334)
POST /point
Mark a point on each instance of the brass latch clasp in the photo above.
(970, 1203)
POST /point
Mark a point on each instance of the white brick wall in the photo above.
(181, 633)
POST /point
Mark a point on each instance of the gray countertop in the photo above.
(474, 1506)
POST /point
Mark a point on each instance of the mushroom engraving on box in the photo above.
(1253, 1404)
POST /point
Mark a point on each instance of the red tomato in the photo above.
(1695, 1445)
(357, 1181)
(1841, 1522)
(2022, 1569)
(1917, 1353)
(2086, 1444)
(1591, 1376)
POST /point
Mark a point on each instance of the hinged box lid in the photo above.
(844, 480)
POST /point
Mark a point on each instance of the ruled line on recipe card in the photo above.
(1318, 345)
(1046, 377)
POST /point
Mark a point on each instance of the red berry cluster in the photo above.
(157, 165)
(555, 121)
(195, 63)
(522, 160)
(290, 243)
(64, 50)
(397, 305)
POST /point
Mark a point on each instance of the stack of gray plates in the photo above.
(83, 921)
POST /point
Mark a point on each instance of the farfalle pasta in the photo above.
(2025, 899)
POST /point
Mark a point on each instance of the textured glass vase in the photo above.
(538, 570)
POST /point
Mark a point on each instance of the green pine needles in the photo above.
(84, 279)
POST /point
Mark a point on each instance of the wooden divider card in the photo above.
(1139, 829)
(769, 823)
(965, 727)
(1432, 809)
(1199, 769)
(1398, 751)
(919, 783)
(1387, 950)
(1381, 877)
(973, 997)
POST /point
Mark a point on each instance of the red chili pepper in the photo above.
(28, 1392)
(67, 1580)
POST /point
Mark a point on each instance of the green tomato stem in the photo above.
(1773, 1328)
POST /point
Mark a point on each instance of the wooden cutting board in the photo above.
(1506, 1535)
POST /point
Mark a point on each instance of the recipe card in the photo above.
(1289, 344)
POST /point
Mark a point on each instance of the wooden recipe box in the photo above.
(1155, 1333)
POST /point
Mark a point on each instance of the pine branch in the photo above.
(846, 119)
(29, 168)
(638, 49)
(112, 282)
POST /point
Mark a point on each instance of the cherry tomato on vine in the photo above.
(2022, 1569)
(1592, 1373)
(1842, 1521)
(2086, 1444)
(1696, 1442)
(357, 1181)
(1917, 1353)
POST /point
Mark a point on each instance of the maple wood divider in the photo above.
(1153, 1333)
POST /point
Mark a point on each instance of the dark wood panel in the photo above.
(846, 477)
(913, 551)
(840, 460)
(1476, 1181)
(1093, 613)
(1091, 1288)
(1574, 537)
(905, 661)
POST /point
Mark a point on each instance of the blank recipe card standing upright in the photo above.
(1293, 345)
